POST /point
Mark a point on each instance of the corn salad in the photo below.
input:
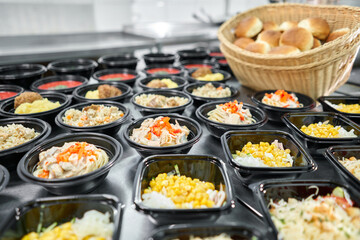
(182, 190)
(272, 155)
(326, 130)
(347, 108)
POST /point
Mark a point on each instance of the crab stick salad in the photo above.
(93, 225)
(352, 164)
(169, 190)
(70, 160)
(347, 108)
(159, 132)
(326, 130)
(281, 98)
(325, 217)
(264, 154)
(231, 113)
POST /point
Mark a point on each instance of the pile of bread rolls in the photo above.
(289, 37)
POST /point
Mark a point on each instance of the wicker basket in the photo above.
(337, 17)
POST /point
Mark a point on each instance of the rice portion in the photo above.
(157, 200)
(13, 135)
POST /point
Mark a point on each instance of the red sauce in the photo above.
(59, 85)
(117, 76)
(163, 71)
(189, 66)
(216, 54)
(5, 95)
(223, 61)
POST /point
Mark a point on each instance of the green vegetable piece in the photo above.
(338, 192)
(49, 228)
(177, 170)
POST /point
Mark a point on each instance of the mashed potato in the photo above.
(36, 106)
(92, 94)
(211, 77)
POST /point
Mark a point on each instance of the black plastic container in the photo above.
(285, 189)
(4, 177)
(201, 100)
(131, 75)
(195, 64)
(144, 150)
(184, 231)
(159, 58)
(11, 156)
(11, 88)
(80, 92)
(205, 168)
(294, 121)
(79, 184)
(336, 153)
(36, 86)
(125, 60)
(7, 107)
(340, 99)
(224, 65)
(196, 53)
(80, 66)
(227, 76)
(22, 75)
(163, 70)
(236, 140)
(26, 218)
(182, 82)
(111, 128)
(275, 113)
(217, 129)
(167, 93)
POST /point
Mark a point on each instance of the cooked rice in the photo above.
(13, 135)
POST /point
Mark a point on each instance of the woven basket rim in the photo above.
(354, 32)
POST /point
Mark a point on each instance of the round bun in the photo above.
(258, 47)
(297, 37)
(270, 26)
(316, 43)
(287, 25)
(284, 50)
(337, 33)
(317, 26)
(248, 27)
(270, 36)
(243, 42)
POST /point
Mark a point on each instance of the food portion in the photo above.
(70, 160)
(162, 83)
(13, 135)
(222, 236)
(264, 154)
(281, 98)
(159, 132)
(205, 74)
(347, 108)
(326, 130)
(163, 71)
(93, 225)
(117, 76)
(32, 102)
(172, 190)
(352, 164)
(59, 85)
(7, 94)
(252, 35)
(93, 115)
(190, 66)
(210, 91)
(231, 113)
(160, 101)
(103, 91)
(333, 216)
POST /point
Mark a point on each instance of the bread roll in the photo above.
(243, 42)
(297, 37)
(316, 43)
(318, 27)
(258, 47)
(284, 50)
(248, 27)
(270, 26)
(337, 33)
(270, 36)
(287, 25)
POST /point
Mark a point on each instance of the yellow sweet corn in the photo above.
(323, 130)
(349, 108)
(182, 190)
